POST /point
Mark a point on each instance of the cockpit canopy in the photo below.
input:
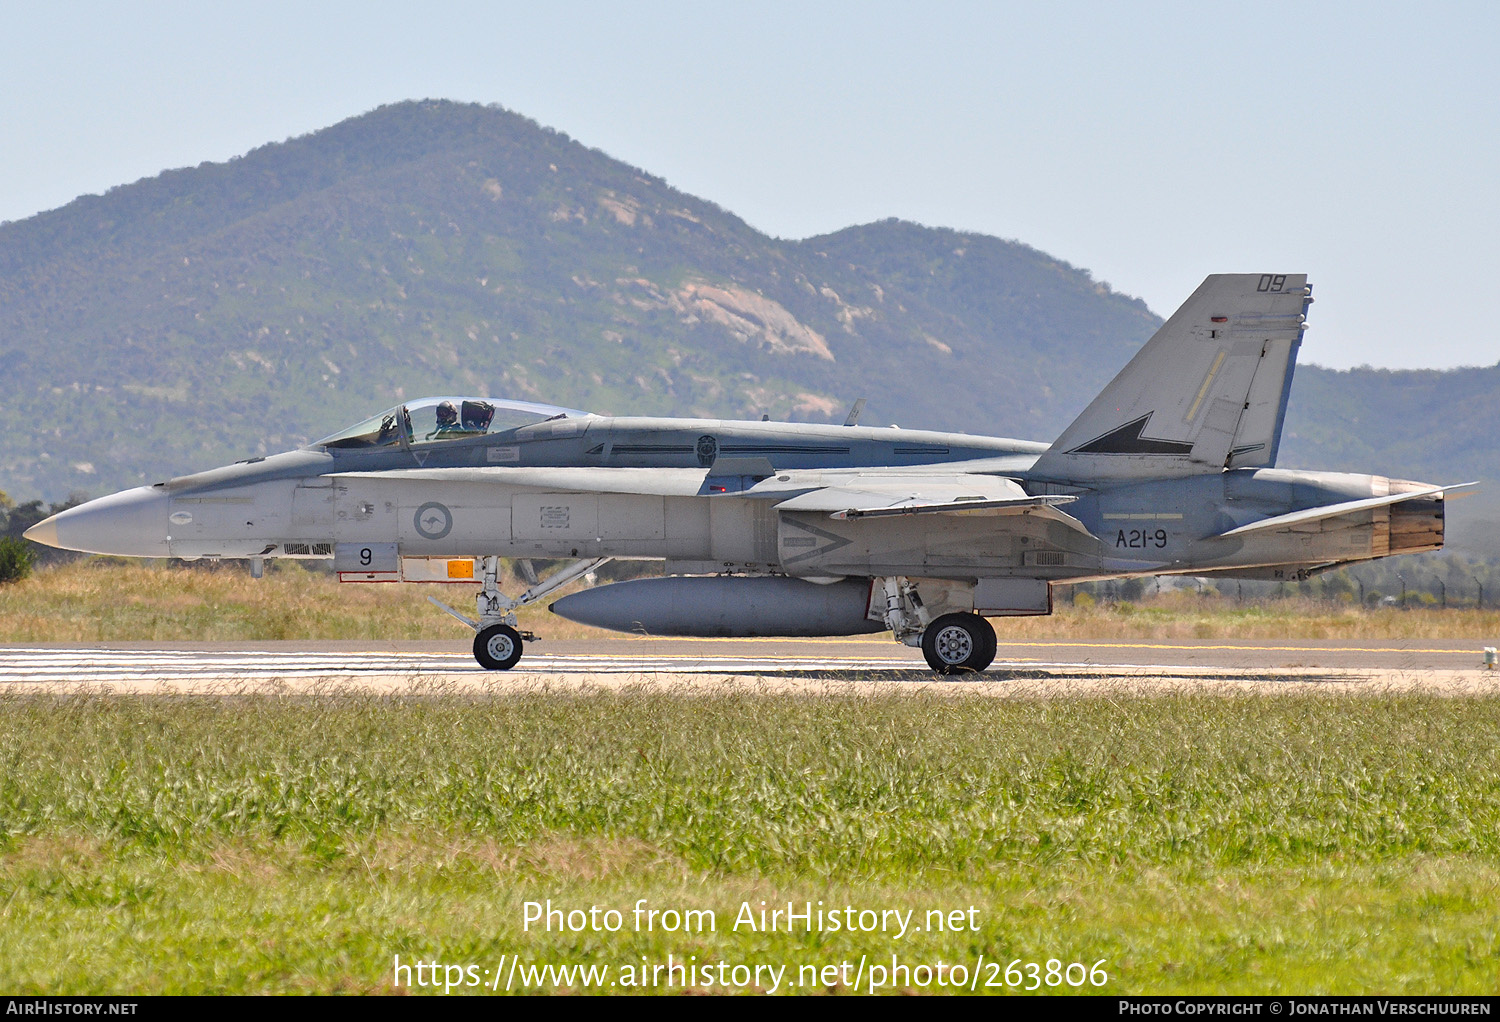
(438, 419)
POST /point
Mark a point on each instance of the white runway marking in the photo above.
(248, 671)
(106, 665)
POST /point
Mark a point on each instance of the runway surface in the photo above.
(854, 664)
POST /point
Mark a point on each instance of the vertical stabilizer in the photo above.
(1206, 393)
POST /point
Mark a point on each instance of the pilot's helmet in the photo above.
(447, 414)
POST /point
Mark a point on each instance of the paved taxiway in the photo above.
(854, 664)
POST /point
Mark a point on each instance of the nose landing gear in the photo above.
(497, 643)
(497, 647)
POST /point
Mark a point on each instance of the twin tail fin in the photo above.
(1207, 392)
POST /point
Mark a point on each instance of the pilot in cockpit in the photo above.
(447, 420)
(452, 420)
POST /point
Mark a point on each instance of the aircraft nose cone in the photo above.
(132, 523)
(43, 532)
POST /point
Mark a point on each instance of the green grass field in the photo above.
(1292, 844)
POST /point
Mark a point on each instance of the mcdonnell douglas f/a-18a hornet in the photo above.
(773, 528)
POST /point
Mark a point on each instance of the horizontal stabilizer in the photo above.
(1314, 514)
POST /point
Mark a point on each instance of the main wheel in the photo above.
(497, 647)
(991, 644)
(959, 643)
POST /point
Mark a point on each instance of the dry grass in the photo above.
(103, 600)
(108, 600)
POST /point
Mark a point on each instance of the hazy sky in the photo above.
(1152, 143)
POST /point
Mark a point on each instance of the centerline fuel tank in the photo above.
(724, 606)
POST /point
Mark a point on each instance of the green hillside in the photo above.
(242, 308)
(217, 312)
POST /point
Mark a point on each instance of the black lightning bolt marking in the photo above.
(1127, 439)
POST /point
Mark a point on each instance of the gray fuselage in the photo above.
(702, 494)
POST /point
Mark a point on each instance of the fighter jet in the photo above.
(789, 529)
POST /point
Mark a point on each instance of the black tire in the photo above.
(991, 645)
(959, 644)
(497, 647)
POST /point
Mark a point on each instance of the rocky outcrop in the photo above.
(750, 318)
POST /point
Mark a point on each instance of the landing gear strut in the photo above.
(497, 643)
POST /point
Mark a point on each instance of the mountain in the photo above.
(240, 308)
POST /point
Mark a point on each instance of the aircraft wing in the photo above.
(686, 482)
(1315, 514)
(960, 506)
(891, 496)
(840, 494)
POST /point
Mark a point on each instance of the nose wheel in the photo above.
(959, 644)
(497, 647)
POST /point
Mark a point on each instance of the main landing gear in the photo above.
(497, 642)
(960, 643)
